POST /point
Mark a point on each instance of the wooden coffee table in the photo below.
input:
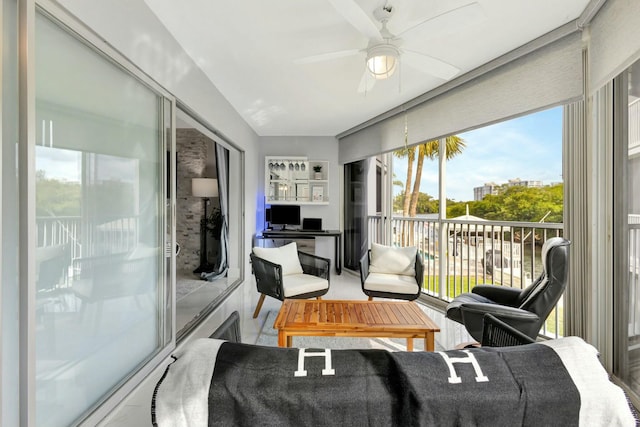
(347, 318)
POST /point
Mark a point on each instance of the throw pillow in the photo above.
(286, 256)
(392, 260)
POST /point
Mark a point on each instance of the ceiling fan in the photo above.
(384, 50)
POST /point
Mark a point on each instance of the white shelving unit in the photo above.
(296, 180)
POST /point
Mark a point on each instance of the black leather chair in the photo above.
(524, 309)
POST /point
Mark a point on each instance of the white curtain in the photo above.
(576, 219)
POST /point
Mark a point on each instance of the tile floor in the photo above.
(196, 294)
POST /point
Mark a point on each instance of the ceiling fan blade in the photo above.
(366, 82)
(327, 56)
(428, 64)
(350, 11)
(449, 21)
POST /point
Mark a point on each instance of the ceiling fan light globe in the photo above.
(382, 61)
(382, 66)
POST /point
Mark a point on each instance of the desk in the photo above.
(293, 234)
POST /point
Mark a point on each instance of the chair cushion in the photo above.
(286, 256)
(392, 260)
(396, 283)
(298, 284)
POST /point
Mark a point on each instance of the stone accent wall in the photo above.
(195, 159)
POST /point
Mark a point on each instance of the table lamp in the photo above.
(205, 188)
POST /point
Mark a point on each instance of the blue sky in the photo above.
(528, 147)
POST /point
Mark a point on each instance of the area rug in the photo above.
(269, 337)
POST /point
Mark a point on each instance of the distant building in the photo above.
(518, 181)
(493, 188)
(487, 188)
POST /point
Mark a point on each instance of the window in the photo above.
(502, 197)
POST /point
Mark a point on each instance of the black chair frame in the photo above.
(269, 277)
(496, 333)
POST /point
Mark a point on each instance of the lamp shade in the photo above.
(204, 187)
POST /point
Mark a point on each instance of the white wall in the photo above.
(314, 148)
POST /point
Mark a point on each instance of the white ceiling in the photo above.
(249, 50)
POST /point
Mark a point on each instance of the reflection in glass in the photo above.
(629, 313)
(99, 207)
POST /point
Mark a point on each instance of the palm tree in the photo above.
(410, 154)
(431, 149)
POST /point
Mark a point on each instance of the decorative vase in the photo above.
(317, 175)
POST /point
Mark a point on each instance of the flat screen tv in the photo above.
(283, 215)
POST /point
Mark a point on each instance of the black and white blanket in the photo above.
(560, 382)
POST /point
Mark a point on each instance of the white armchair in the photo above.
(391, 272)
(285, 272)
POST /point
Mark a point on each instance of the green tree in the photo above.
(532, 204)
(410, 154)
(398, 201)
(455, 209)
(426, 204)
(55, 197)
(431, 149)
(516, 203)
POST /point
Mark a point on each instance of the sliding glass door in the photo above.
(212, 240)
(627, 228)
(101, 308)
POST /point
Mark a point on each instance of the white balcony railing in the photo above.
(111, 235)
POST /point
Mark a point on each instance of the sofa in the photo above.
(557, 382)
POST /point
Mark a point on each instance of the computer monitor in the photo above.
(285, 215)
